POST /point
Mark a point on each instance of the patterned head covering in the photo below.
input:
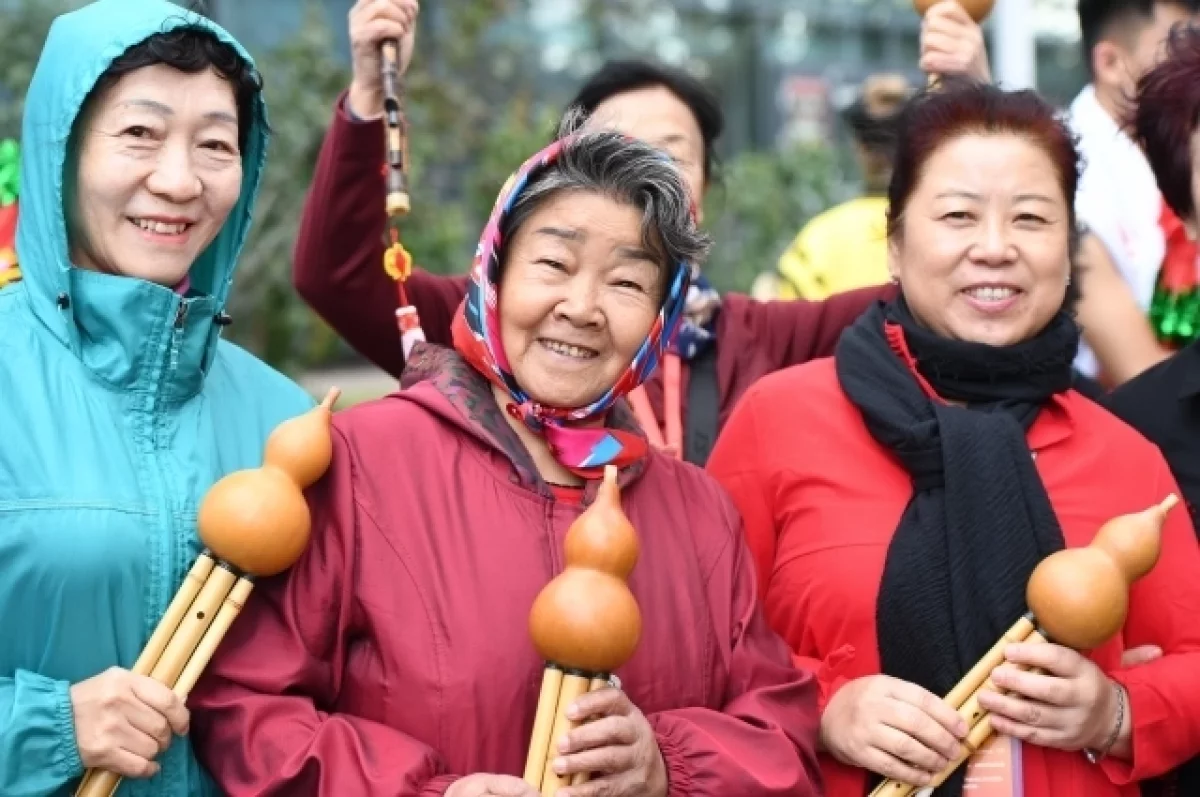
(476, 333)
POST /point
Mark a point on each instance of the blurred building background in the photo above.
(491, 76)
(782, 67)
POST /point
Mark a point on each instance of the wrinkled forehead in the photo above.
(167, 93)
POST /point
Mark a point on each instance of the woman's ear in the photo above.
(893, 259)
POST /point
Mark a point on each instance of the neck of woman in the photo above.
(550, 469)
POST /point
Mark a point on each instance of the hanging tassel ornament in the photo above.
(397, 262)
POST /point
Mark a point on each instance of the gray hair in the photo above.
(627, 171)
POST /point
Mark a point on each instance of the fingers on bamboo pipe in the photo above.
(543, 723)
(965, 698)
(212, 637)
(981, 730)
(178, 649)
(573, 687)
(580, 778)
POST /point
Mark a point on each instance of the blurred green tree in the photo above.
(474, 115)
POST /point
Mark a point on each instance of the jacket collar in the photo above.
(436, 370)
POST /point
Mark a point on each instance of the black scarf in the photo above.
(979, 519)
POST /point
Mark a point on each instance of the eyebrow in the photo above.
(166, 110)
(628, 252)
(672, 138)
(637, 253)
(978, 198)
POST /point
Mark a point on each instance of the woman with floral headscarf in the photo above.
(394, 658)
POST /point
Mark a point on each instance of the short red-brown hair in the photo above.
(957, 108)
(1168, 106)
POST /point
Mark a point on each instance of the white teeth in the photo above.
(989, 294)
(566, 350)
(160, 228)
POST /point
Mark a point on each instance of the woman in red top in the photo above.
(895, 535)
(394, 658)
(725, 342)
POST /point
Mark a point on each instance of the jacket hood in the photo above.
(111, 322)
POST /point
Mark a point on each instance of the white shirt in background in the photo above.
(1119, 201)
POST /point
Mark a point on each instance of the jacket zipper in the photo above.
(170, 549)
(177, 337)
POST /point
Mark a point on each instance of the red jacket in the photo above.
(820, 500)
(338, 269)
(395, 656)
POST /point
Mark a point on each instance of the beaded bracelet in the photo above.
(1095, 756)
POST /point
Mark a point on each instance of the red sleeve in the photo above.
(261, 717)
(762, 742)
(338, 262)
(796, 331)
(1164, 695)
(739, 463)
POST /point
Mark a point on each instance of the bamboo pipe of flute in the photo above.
(167, 626)
(208, 644)
(960, 697)
(977, 736)
(573, 687)
(203, 654)
(543, 723)
(598, 683)
(174, 657)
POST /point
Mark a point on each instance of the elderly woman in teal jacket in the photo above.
(144, 141)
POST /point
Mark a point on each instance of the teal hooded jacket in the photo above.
(121, 407)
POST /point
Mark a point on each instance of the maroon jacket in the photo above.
(338, 269)
(395, 656)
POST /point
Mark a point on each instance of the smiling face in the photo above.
(159, 170)
(578, 296)
(662, 120)
(982, 253)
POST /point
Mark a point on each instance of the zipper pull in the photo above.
(180, 314)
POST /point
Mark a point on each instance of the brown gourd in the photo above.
(1080, 596)
(257, 519)
(978, 10)
(586, 618)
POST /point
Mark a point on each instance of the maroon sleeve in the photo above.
(762, 743)
(338, 262)
(796, 331)
(263, 721)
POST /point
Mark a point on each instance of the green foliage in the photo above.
(301, 78)
(23, 29)
(765, 199)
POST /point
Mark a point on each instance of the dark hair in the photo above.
(873, 119)
(192, 50)
(1100, 19)
(958, 107)
(618, 77)
(1165, 117)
